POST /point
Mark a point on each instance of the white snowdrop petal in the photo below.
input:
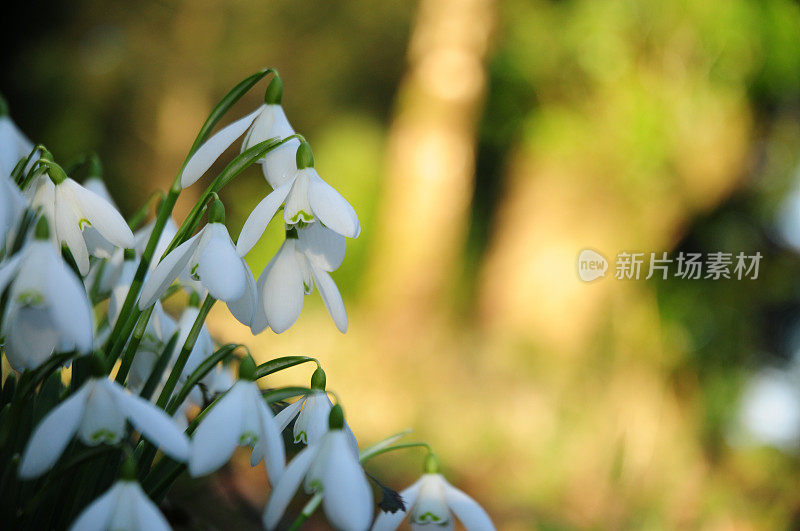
(103, 216)
(312, 422)
(218, 434)
(270, 437)
(347, 497)
(98, 514)
(331, 297)
(323, 247)
(31, 336)
(219, 267)
(244, 307)
(67, 226)
(282, 292)
(103, 421)
(331, 208)
(153, 423)
(259, 218)
(467, 510)
(297, 207)
(280, 164)
(215, 146)
(70, 305)
(149, 517)
(52, 435)
(285, 416)
(287, 486)
(167, 271)
(391, 521)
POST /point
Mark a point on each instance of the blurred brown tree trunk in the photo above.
(430, 166)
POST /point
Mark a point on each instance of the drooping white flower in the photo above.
(210, 258)
(431, 502)
(306, 199)
(266, 122)
(301, 263)
(124, 506)
(70, 208)
(239, 418)
(312, 411)
(48, 310)
(98, 412)
(330, 468)
(14, 145)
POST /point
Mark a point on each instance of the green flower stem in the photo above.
(124, 324)
(140, 215)
(366, 456)
(279, 364)
(133, 344)
(180, 363)
(17, 173)
(307, 511)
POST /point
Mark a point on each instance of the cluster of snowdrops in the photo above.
(110, 399)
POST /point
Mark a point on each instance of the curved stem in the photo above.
(366, 456)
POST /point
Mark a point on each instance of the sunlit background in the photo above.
(484, 144)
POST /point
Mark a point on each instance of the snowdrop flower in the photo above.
(329, 467)
(307, 198)
(239, 418)
(210, 258)
(12, 207)
(97, 412)
(70, 208)
(305, 259)
(48, 309)
(266, 122)
(432, 501)
(312, 412)
(13, 143)
(124, 506)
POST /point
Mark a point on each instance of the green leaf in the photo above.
(224, 106)
(276, 395)
(158, 368)
(278, 364)
(378, 447)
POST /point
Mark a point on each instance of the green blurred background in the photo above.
(484, 144)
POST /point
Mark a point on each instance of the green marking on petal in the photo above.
(193, 272)
(30, 298)
(103, 435)
(302, 217)
(301, 437)
(248, 438)
(84, 223)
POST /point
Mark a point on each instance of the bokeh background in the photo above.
(484, 144)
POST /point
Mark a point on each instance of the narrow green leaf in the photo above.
(159, 366)
(278, 364)
(199, 373)
(276, 395)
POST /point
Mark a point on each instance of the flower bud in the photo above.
(336, 418)
(304, 158)
(247, 368)
(431, 464)
(274, 93)
(318, 379)
(216, 212)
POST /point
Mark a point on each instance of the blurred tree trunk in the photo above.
(430, 168)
